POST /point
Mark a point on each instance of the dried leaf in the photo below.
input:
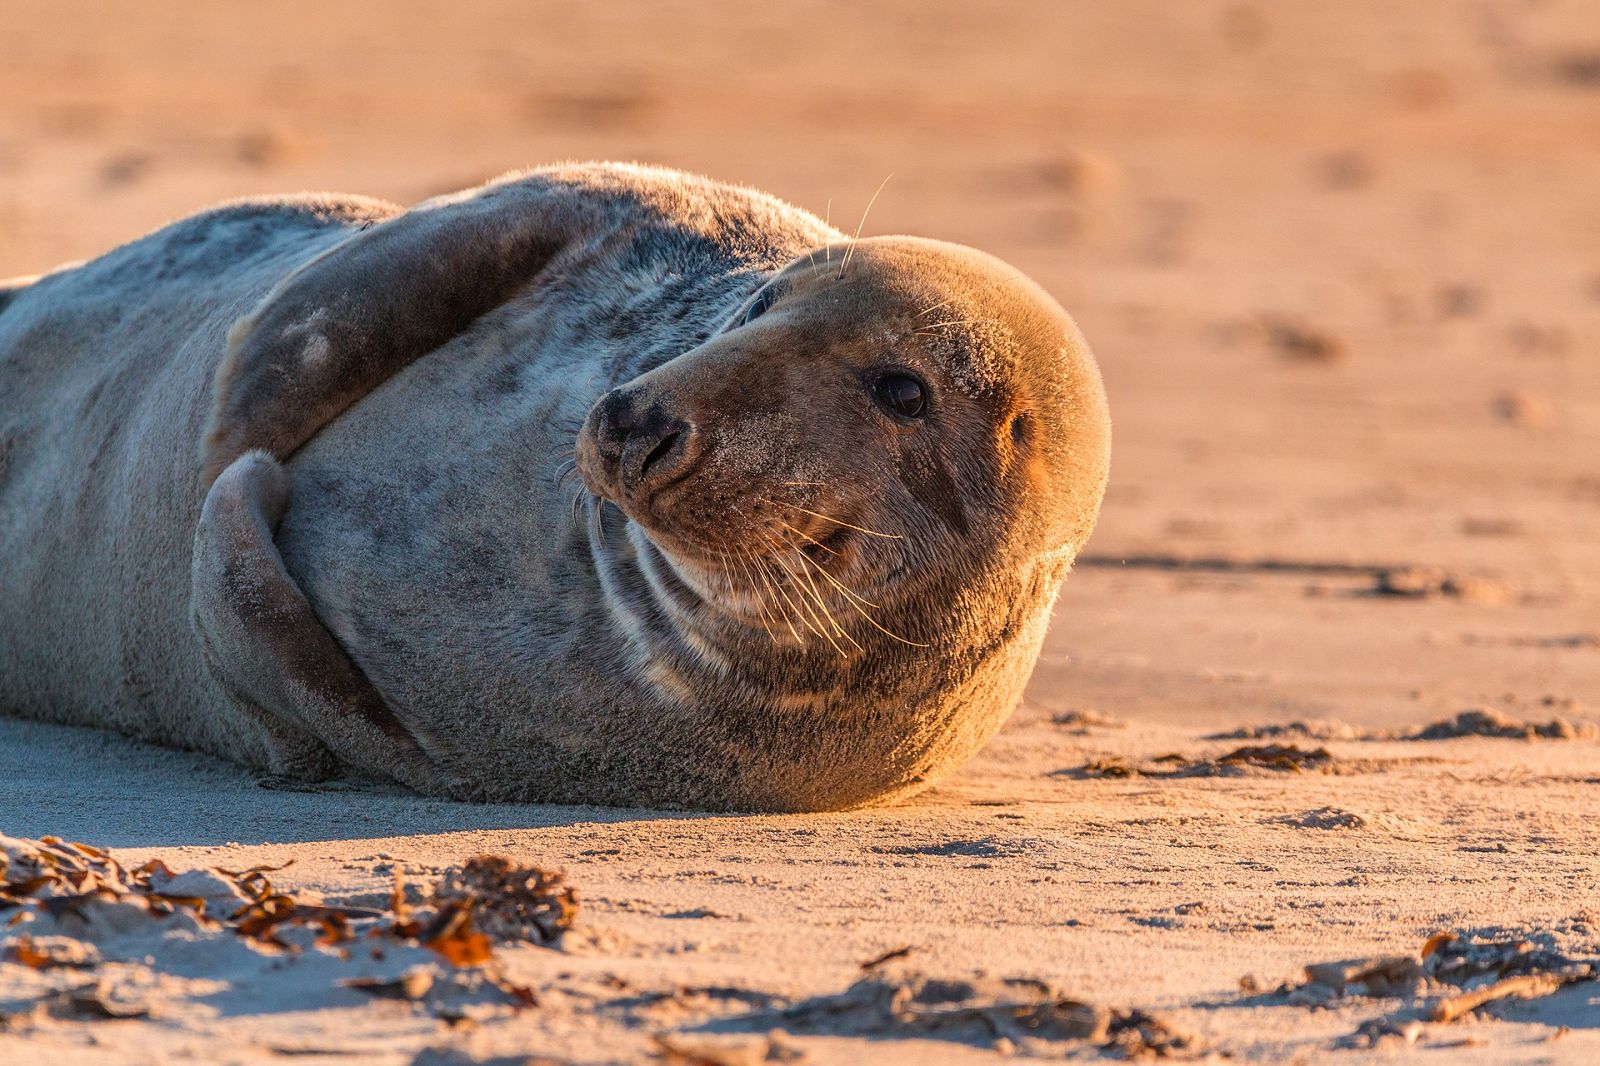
(1525, 986)
(257, 919)
(522, 996)
(888, 956)
(50, 952)
(1435, 942)
(412, 985)
(454, 939)
(254, 870)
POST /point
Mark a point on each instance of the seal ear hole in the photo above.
(1019, 429)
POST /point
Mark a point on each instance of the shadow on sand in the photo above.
(97, 787)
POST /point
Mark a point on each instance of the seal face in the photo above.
(873, 430)
(825, 493)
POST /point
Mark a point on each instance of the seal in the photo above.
(599, 483)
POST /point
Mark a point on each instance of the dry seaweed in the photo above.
(414, 984)
(1281, 758)
(80, 885)
(1004, 1013)
(512, 902)
(52, 952)
(1305, 730)
(1079, 723)
(1289, 757)
(1421, 582)
(888, 956)
(1301, 341)
(1449, 978)
(1472, 722)
(1488, 722)
(675, 1050)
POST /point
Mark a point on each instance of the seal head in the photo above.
(874, 432)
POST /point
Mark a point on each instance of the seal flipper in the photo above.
(342, 324)
(267, 648)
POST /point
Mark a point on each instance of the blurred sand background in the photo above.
(1341, 266)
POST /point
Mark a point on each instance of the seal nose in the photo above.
(648, 448)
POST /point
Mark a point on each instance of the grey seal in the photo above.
(599, 483)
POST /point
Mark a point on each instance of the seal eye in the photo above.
(763, 301)
(901, 393)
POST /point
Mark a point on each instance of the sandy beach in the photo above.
(1324, 685)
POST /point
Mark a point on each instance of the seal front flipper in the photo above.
(342, 324)
(268, 650)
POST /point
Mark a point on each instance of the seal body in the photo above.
(105, 384)
(502, 497)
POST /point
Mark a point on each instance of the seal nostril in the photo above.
(659, 452)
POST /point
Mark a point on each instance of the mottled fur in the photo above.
(281, 482)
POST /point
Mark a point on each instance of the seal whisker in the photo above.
(846, 589)
(816, 597)
(779, 611)
(808, 537)
(850, 249)
(935, 307)
(761, 568)
(807, 605)
(873, 622)
(755, 594)
(840, 521)
(768, 585)
(794, 610)
(826, 255)
(856, 601)
(827, 220)
(783, 544)
(802, 608)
